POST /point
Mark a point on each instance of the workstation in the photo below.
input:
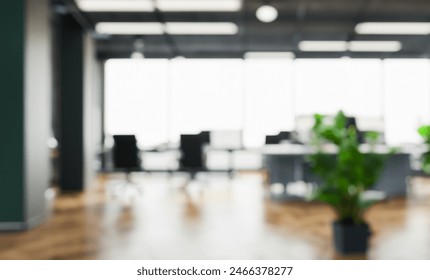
(170, 129)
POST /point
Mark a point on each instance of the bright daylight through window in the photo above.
(159, 99)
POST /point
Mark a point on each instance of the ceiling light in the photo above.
(201, 28)
(174, 28)
(115, 5)
(323, 46)
(139, 44)
(261, 55)
(354, 46)
(137, 55)
(393, 28)
(199, 5)
(163, 5)
(374, 46)
(266, 13)
(130, 28)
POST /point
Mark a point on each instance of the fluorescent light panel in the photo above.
(163, 5)
(261, 55)
(201, 28)
(354, 46)
(174, 28)
(393, 28)
(115, 5)
(130, 28)
(374, 46)
(323, 46)
(199, 5)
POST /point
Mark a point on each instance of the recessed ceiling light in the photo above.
(323, 46)
(163, 5)
(174, 28)
(374, 46)
(394, 28)
(130, 28)
(201, 28)
(115, 5)
(137, 55)
(266, 13)
(262, 55)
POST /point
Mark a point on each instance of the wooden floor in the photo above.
(215, 218)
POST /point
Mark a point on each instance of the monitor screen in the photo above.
(226, 139)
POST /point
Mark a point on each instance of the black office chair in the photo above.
(126, 156)
(192, 160)
(285, 135)
(351, 122)
(272, 139)
(276, 139)
(191, 152)
(205, 136)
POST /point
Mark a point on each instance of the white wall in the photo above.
(37, 96)
(93, 81)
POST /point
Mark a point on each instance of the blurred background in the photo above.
(180, 129)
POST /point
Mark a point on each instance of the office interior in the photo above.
(173, 129)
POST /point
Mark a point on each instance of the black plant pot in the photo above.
(350, 238)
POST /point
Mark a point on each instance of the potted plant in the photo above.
(346, 174)
(424, 132)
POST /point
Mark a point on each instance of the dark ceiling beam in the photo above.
(84, 20)
(221, 17)
(359, 17)
(300, 16)
(168, 38)
(238, 55)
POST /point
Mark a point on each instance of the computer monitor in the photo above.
(229, 140)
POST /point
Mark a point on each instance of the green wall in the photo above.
(12, 111)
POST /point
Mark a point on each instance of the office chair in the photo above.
(272, 139)
(351, 122)
(277, 139)
(191, 160)
(126, 156)
(191, 153)
(285, 135)
(205, 136)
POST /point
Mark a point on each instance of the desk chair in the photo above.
(205, 136)
(351, 122)
(272, 139)
(126, 156)
(191, 148)
(285, 135)
(277, 139)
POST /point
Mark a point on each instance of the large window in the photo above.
(205, 95)
(160, 99)
(269, 99)
(136, 98)
(407, 99)
(328, 85)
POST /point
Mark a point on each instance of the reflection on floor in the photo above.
(213, 218)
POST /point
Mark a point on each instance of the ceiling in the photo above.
(298, 20)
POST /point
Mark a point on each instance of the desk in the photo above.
(286, 163)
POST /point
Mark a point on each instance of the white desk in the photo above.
(286, 163)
